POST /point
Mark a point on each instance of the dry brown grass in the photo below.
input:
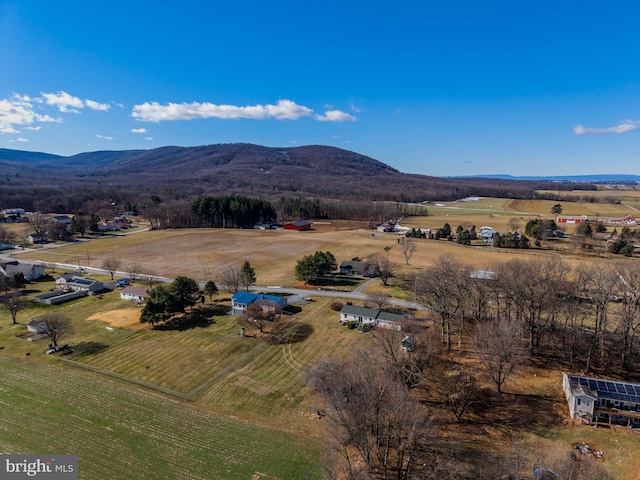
(199, 253)
(121, 318)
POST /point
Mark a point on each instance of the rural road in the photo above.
(298, 292)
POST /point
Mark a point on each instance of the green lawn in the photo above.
(122, 432)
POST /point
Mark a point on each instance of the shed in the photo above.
(300, 225)
(37, 326)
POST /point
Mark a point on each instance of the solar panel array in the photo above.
(624, 392)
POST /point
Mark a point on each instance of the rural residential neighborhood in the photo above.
(319, 240)
(474, 334)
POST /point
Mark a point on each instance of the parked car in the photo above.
(122, 283)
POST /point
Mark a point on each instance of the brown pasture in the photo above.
(199, 253)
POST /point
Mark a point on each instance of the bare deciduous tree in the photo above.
(111, 265)
(514, 224)
(150, 276)
(38, 224)
(23, 235)
(6, 235)
(461, 391)
(629, 294)
(408, 248)
(261, 313)
(57, 325)
(379, 299)
(408, 367)
(499, 346)
(376, 427)
(597, 283)
(135, 271)
(442, 288)
(230, 277)
(14, 301)
(383, 266)
(481, 288)
(533, 291)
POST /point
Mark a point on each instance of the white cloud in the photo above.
(104, 137)
(148, 138)
(103, 107)
(283, 110)
(63, 101)
(626, 126)
(355, 108)
(138, 130)
(66, 103)
(335, 116)
(35, 129)
(19, 110)
(19, 139)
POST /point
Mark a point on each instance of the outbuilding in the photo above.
(302, 225)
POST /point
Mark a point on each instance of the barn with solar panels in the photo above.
(602, 401)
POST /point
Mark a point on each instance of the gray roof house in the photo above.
(37, 239)
(30, 271)
(64, 219)
(135, 294)
(78, 283)
(371, 316)
(358, 268)
(69, 287)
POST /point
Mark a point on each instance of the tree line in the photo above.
(239, 211)
(586, 316)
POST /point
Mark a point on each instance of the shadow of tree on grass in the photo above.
(291, 332)
(198, 317)
(88, 348)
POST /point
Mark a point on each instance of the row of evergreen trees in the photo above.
(231, 211)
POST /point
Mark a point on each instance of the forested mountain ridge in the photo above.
(35, 180)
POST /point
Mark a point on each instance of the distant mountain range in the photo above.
(605, 178)
(32, 179)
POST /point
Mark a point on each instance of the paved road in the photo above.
(298, 292)
(355, 295)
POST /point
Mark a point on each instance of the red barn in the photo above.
(300, 226)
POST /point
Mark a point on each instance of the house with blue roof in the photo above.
(241, 300)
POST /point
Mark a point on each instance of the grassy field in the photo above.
(123, 432)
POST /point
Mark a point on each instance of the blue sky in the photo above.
(437, 88)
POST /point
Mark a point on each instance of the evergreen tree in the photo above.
(247, 276)
(210, 288)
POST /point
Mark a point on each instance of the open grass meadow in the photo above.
(213, 365)
(122, 432)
